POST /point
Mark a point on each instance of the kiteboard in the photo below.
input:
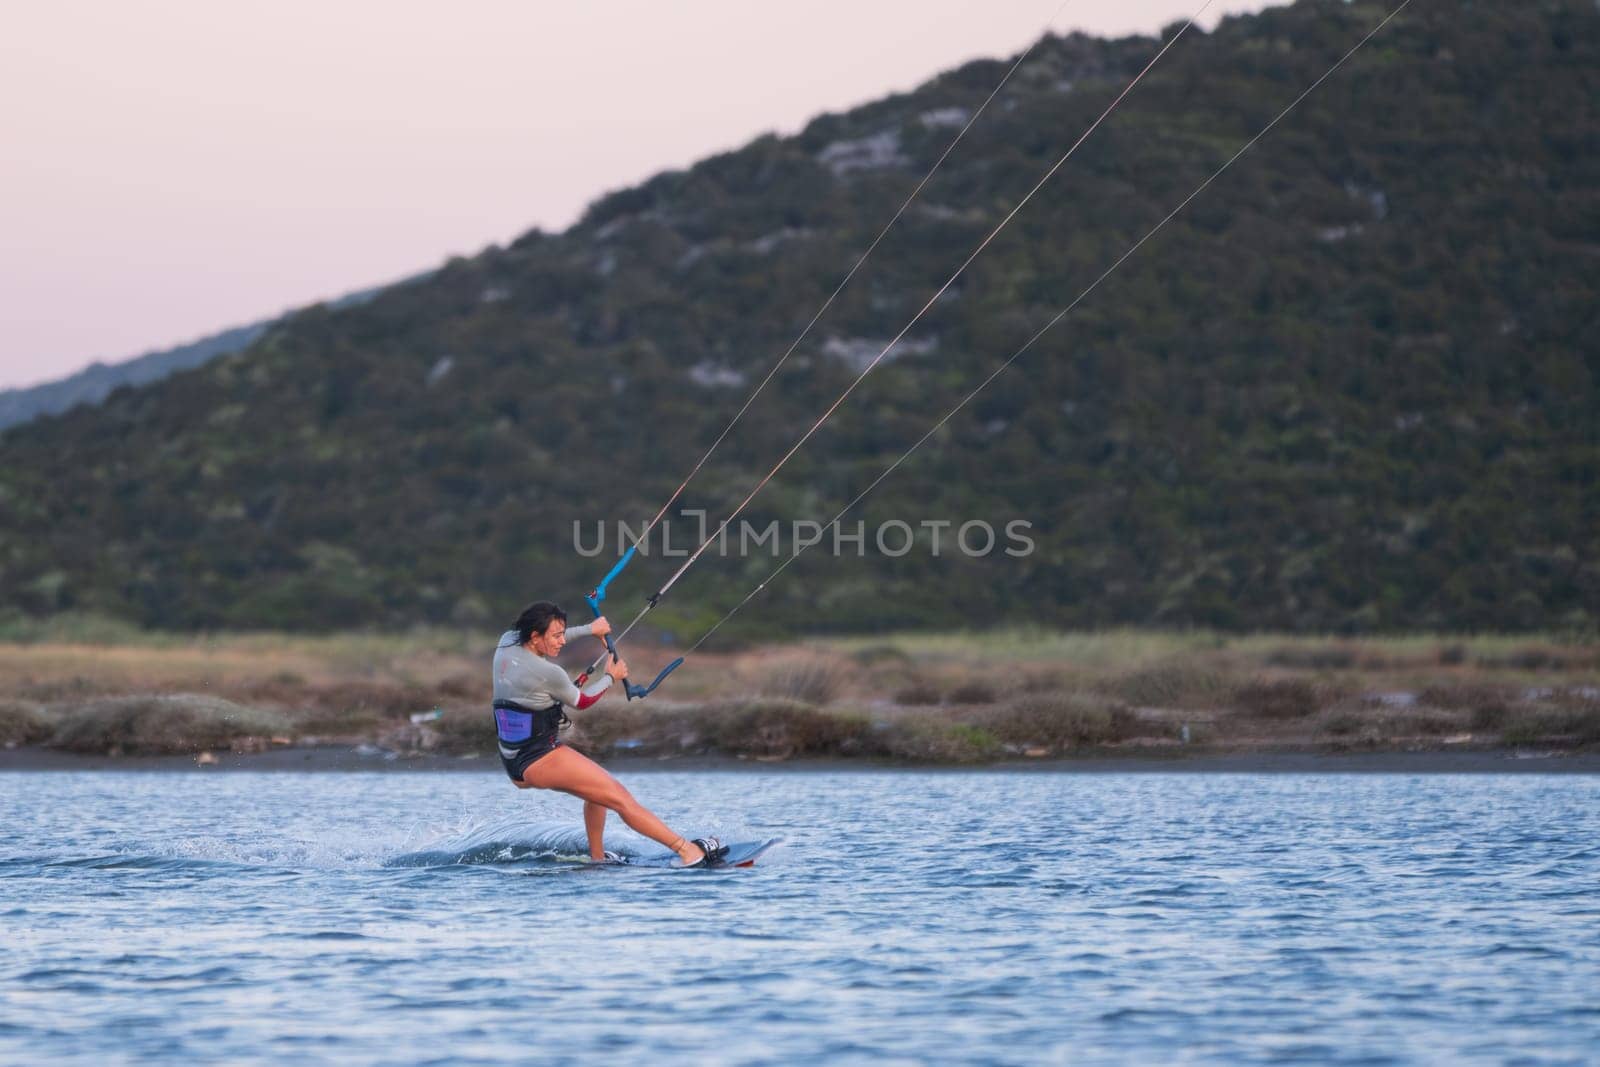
(735, 854)
(745, 853)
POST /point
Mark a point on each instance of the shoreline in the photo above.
(1131, 701)
(366, 759)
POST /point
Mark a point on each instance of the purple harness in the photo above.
(517, 726)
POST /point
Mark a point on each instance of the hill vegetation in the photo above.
(99, 380)
(1352, 389)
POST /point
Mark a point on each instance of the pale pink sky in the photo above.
(169, 168)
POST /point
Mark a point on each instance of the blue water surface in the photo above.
(908, 918)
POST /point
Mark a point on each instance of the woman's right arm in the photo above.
(563, 689)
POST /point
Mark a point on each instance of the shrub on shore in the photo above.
(782, 729)
(1175, 684)
(465, 731)
(340, 723)
(615, 722)
(1063, 721)
(973, 692)
(366, 699)
(1572, 721)
(879, 655)
(1282, 698)
(1540, 657)
(1468, 697)
(1371, 723)
(920, 693)
(768, 728)
(1050, 680)
(1333, 657)
(810, 678)
(926, 739)
(164, 725)
(22, 722)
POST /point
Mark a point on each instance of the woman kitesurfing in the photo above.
(531, 694)
(530, 690)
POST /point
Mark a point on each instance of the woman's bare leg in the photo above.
(594, 824)
(572, 772)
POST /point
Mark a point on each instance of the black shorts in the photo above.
(527, 756)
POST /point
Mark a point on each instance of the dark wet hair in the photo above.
(536, 619)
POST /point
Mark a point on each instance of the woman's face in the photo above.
(552, 641)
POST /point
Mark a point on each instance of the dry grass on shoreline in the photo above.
(941, 698)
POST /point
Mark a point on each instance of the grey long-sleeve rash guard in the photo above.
(534, 682)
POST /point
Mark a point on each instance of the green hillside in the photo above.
(1353, 388)
(98, 380)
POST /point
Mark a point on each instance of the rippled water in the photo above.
(910, 918)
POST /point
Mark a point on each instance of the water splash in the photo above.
(499, 841)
